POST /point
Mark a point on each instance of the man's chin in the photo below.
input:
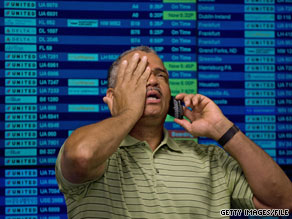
(151, 115)
(153, 112)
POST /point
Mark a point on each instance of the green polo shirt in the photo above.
(180, 179)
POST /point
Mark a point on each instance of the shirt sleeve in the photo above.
(73, 190)
(240, 191)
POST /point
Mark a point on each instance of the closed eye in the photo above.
(164, 76)
(161, 73)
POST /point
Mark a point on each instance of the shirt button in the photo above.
(157, 171)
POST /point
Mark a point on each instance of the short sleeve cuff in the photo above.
(66, 187)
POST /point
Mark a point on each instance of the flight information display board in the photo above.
(54, 61)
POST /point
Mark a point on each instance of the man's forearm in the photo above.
(267, 180)
(86, 150)
(270, 185)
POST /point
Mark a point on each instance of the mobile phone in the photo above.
(175, 108)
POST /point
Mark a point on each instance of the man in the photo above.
(127, 166)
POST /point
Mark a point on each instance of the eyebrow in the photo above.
(160, 70)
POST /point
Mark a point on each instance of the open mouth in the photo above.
(153, 96)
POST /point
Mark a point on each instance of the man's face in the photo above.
(158, 91)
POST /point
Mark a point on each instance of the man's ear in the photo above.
(108, 99)
(110, 92)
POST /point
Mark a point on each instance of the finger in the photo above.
(198, 98)
(121, 72)
(188, 100)
(141, 67)
(196, 102)
(200, 102)
(202, 99)
(146, 74)
(131, 67)
(180, 96)
(184, 123)
(189, 114)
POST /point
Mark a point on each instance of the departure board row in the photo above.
(54, 61)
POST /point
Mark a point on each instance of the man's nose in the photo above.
(152, 80)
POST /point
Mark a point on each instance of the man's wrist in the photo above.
(228, 135)
(129, 116)
(220, 128)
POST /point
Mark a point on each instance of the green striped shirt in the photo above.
(180, 179)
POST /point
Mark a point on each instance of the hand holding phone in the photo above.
(175, 108)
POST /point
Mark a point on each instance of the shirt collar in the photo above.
(130, 141)
(170, 142)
